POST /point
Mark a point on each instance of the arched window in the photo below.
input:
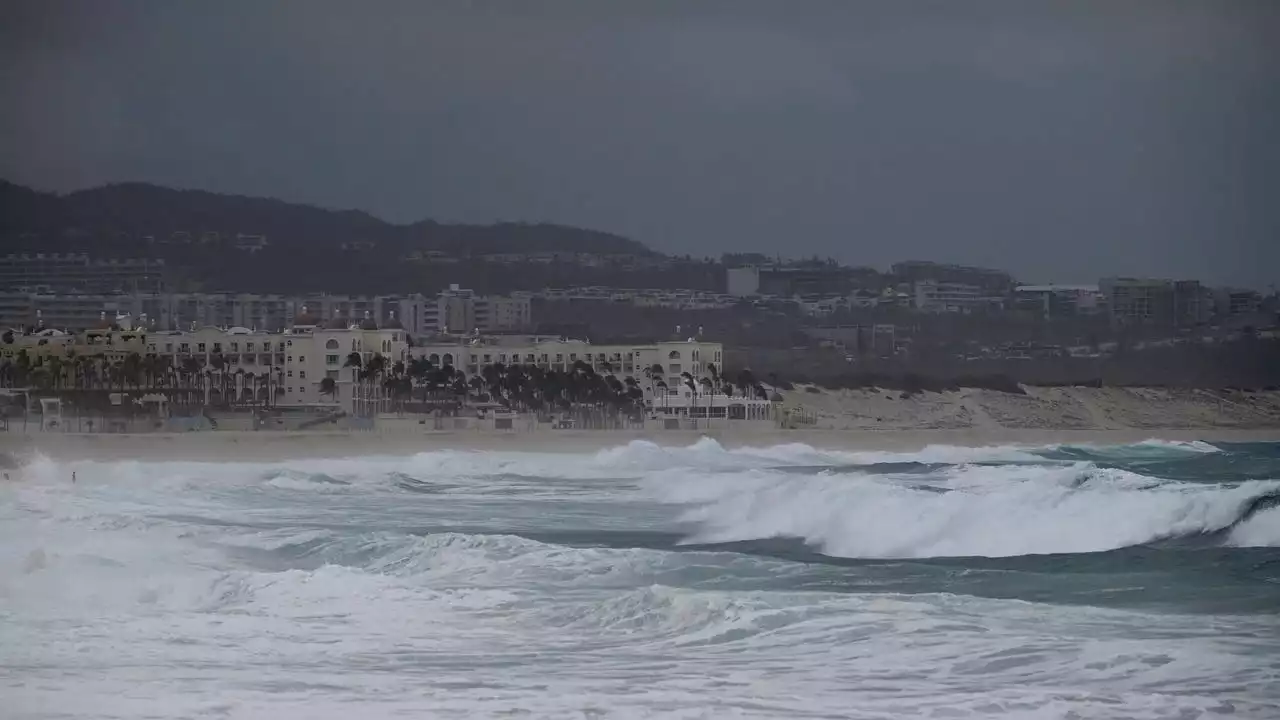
(448, 358)
(675, 355)
(331, 345)
(435, 359)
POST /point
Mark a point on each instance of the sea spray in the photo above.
(646, 581)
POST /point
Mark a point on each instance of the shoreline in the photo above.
(237, 446)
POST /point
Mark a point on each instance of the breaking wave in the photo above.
(974, 511)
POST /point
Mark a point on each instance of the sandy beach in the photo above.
(854, 420)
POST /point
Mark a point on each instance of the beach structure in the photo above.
(364, 369)
(681, 379)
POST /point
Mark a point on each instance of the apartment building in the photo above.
(1060, 300)
(798, 279)
(991, 282)
(1160, 302)
(76, 311)
(77, 272)
(454, 310)
(1235, 302)
(937, 296)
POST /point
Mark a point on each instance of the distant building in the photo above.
(77, 272)
(934, 296)
(1060, 300)
(455, 310)
(1158, 302)
(798, 279)
(879, 339)
(250, 243)
(1235, 302)
(990, 282)
(75, 311)
(666, 390)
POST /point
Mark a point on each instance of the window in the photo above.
(675, 355)
(235, 347)
(248, 347)
(331, 359)
(200, 347)
(290, 373)
(302, 358)
(331, 345)
(302, 374)
(290, 358)
(168, 347)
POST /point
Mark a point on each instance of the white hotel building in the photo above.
(692, 356)
(299, 359)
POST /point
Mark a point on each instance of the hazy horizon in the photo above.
(1060, 142)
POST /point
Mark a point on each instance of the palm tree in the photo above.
(131, 369)
(356, 363)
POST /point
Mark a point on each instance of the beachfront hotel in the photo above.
(679, 378)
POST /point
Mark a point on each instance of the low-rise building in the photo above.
(1060, 300)
(658, 368)
(936, 296)
(1235, 302)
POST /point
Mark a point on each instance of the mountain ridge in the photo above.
(137, 210)
(218, 242)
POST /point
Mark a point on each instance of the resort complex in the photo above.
(356, 372)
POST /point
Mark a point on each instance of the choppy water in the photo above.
(1120, 582)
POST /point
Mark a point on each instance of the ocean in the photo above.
(1138, 581)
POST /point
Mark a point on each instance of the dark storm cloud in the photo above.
(1062, 140)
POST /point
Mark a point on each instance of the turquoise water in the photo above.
(1138, 581)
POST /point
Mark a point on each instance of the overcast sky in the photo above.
(1061, 140)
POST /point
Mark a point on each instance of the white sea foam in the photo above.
(321, 590)
(1261, 530)
(974, 511)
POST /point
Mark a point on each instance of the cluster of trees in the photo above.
(190, 381)
(579, 389)
(380, 383)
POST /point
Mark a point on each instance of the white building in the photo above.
(658, 368)
(935, 296)
(455, 309)
(1054, 300)
(292, 364)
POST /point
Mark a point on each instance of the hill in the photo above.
(234, 242)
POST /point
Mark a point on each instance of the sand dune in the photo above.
(1070, 408)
